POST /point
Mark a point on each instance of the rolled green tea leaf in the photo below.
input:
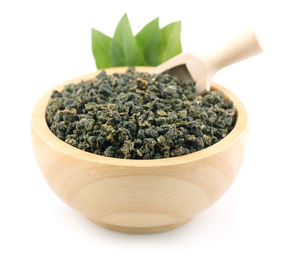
(139, 116)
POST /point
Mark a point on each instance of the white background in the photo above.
(43, 43)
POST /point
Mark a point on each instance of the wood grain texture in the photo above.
(202, 69)
(138, 196)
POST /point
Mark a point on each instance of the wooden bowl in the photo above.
(138, 196)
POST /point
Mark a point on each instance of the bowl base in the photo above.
(141, 230)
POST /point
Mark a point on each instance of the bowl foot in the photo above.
(141, 230)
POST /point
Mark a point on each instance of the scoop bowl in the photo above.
(138, 196)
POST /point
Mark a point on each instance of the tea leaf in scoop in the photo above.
(149, 40)
(101, 49)
(124, 50)
(171, 45)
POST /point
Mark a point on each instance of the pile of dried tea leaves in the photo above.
(139, 116)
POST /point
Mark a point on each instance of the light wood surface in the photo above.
(187, 66)
(138, 196)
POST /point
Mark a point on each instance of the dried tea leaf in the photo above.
(139, 116)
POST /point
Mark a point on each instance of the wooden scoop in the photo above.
(201, 70)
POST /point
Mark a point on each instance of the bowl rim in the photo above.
(41, 129)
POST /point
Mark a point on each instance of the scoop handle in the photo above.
(243, 46)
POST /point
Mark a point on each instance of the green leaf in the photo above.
(124, 50)
(151, 46)
(149, 41)
(101, 49)
(171, 45)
